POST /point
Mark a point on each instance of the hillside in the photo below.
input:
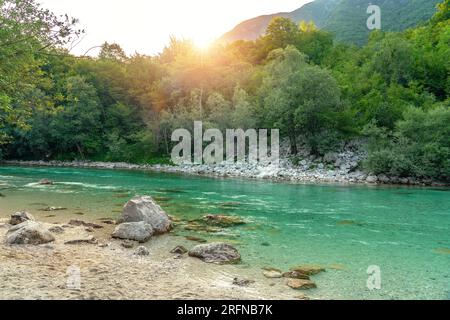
(346, 19)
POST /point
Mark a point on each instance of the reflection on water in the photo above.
(404, 231)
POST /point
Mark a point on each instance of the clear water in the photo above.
(404, 231)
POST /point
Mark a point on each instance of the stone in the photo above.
(145, 209)
(272, 274)
(330, 157)
(80, 223)
(137, 231)
(222, 220)
(142, 251)
(218, 252)
(179, 250)
(295, 275)
(45, 182)
(308, 270)
(372, 179)
(29, 232)
(20, 217)
(300, 284)
(89, 240)
(128, 244)
(50, 209)
(242, 282)
(57, 230)
(196, 239)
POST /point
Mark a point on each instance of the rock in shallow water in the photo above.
(137, 231)
(145, 209)
(300, 284)
(29, 232)
(220, 253)
(20, 217)
(308, 270)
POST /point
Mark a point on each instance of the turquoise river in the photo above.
(346, 229)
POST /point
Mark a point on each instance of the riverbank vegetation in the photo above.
(394, 92)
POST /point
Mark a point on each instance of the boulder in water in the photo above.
(137, 231)
(145, 209)
(20, 217)
(220, 253)
(29, 232)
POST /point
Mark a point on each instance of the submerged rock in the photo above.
(137, 231)
(220, 253)
(29, 232)
(300, 284)
(295, 275)
(20, 217)
(222, 220)
(308, 270)
(195, 239)
(144, 209)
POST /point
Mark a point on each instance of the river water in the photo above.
(403, 231)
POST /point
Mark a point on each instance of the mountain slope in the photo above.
(346, 19)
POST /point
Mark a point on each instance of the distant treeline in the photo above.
(394, 91)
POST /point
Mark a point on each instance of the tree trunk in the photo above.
(293, 142)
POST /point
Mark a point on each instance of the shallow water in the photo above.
(404, 231)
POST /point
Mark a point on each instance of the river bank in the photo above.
(344, 171)
(107, 270)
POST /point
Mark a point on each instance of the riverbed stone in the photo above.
(179, 250)
(142, 251)
(20, 217)
(220, 253)
(145, 209)
(137, 231)
(301, 284)
(295, 275)
(28, 232)
(223, 220)
(308, 270)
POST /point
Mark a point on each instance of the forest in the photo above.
(393, 92)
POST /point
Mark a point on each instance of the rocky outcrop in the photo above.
(28, 232)
(137, 231)
(20, 217)
(220, 253)
(145, 209)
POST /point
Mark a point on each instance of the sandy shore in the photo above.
(109, 271)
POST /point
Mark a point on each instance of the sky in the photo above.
(144, 26)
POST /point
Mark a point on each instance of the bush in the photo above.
(419, 147)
